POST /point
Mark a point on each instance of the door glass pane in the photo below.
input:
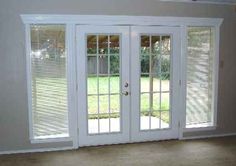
(165, 101)
(93, 124)
(155, 120)
(165, 119)
(144, 83)
(115, 104)
(92, 45)
(92, 85)
(92, 104)
(103, 44)
(144, 114)
(103, 64)
(114, 64)
(114, 45)
(92, 65)
(103, 83)
(114, 84)
(115, 112)
(49, 81)
(155, 52)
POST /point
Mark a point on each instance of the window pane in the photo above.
(49, 83)
(199, 77)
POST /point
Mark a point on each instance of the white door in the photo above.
(103, 84)
(155, 57)
(127, 89)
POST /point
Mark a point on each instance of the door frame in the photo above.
(72, 20)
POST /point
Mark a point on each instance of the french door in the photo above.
(155, 57)
(103, 84)
(127, 83)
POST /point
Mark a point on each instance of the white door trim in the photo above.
(119, 20)
(73, 20)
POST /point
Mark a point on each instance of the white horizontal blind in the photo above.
(200, 58)
(49, 83)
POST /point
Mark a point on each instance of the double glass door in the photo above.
(127, 83)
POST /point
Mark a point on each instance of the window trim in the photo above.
(71, 21)
(71, 97)
(214, 79)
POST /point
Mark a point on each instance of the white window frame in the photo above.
(70, 85)
(215, 74)
(71, 21)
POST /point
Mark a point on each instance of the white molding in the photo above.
(28, 77)
(201, 2)
(72, 20)
(70, 92)
(36, 150)
(216, 36)
(72, 98)
(216, 73)
(118, 20)
(183, 66)
(209, 136)
(51, 140)
(185, 130)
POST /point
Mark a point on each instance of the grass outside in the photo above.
(115, 97)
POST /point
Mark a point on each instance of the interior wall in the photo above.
(14, 131)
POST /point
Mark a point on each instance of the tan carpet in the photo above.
(204, 152)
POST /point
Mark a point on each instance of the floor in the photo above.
(204, 152)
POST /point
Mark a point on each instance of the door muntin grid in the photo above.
(103, 83)
(155, 77)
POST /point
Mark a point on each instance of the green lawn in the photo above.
(103, 100)
(103, 83)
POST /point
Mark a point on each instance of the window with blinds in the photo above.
(48, 82)
(200, 63)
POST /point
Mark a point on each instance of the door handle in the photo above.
(125, 93)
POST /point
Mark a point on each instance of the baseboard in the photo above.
(208, 136)
(36, 150)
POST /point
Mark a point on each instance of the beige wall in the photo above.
(13, 96)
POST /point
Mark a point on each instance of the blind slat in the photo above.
(48, 79)
(199, 76)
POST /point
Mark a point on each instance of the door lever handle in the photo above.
(125, 93)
